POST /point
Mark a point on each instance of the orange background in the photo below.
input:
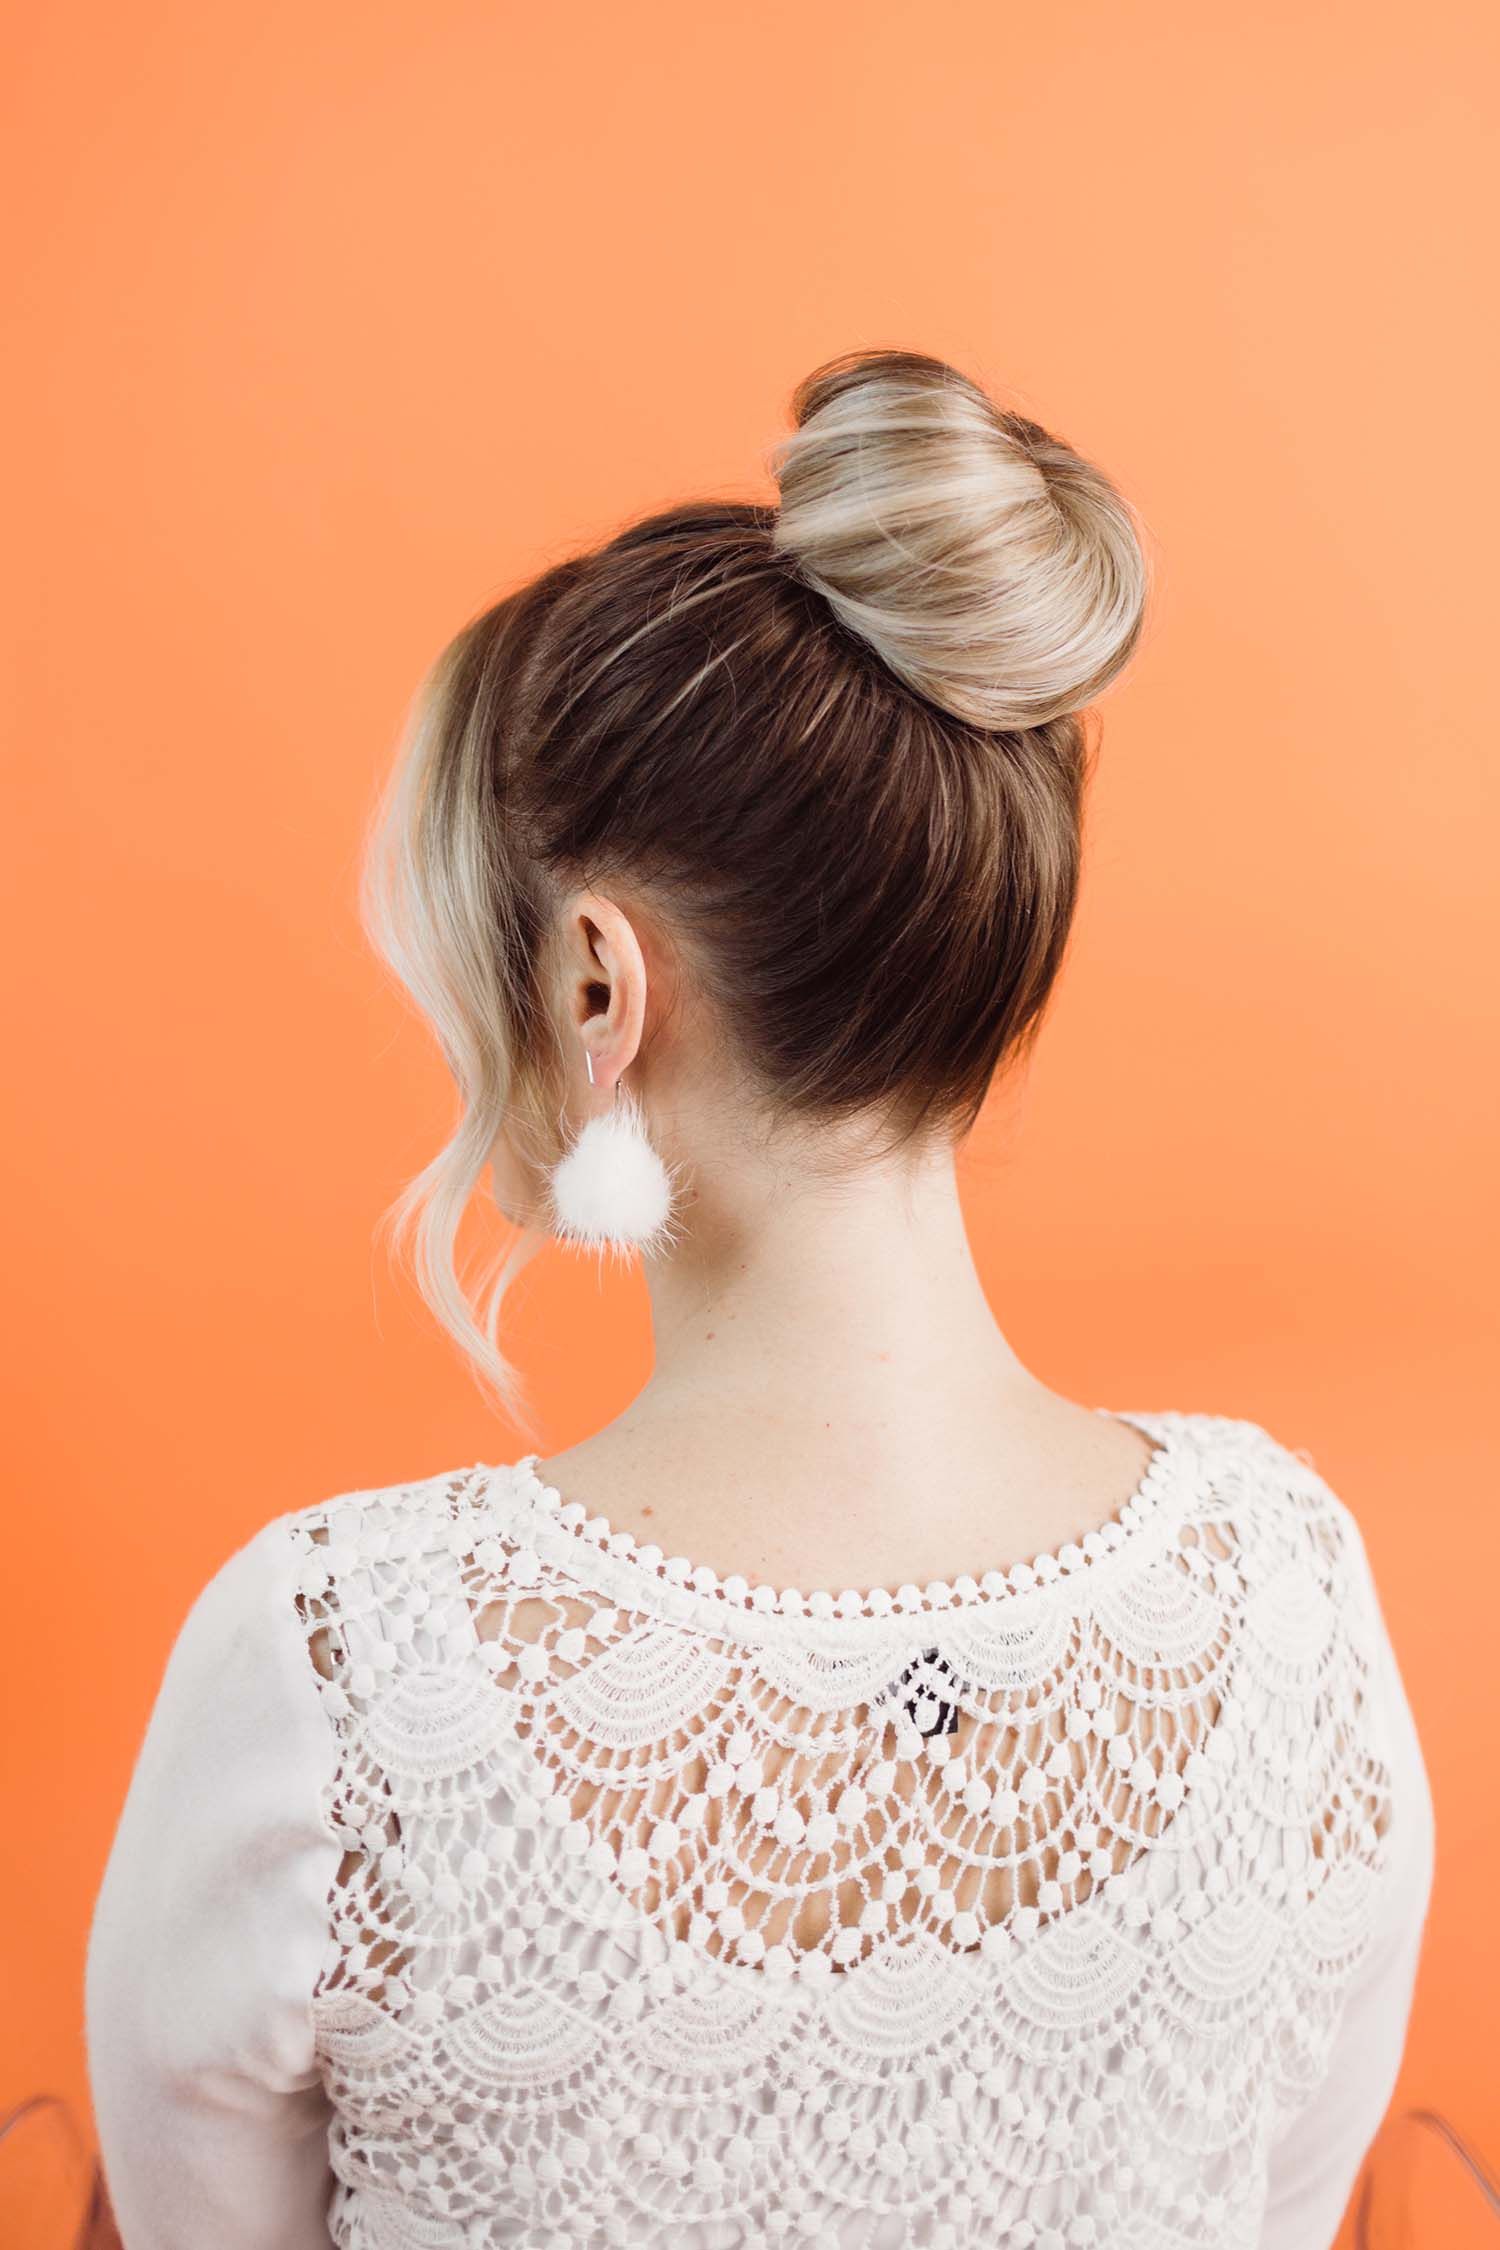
(328, 324)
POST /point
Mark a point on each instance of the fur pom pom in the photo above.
(612, 1191)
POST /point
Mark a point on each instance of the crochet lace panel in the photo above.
(1015, 1911)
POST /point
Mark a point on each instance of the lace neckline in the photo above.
(1072, 1557)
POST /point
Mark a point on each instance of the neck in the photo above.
(789, 1298)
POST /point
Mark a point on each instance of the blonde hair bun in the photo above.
(989, 565)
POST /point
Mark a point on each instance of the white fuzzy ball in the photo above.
(612, 1191)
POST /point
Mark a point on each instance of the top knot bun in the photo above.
(989, 565)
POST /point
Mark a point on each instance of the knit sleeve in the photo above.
(1316, 2163)
(209, 1932)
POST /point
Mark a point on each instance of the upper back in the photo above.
(659, 1893)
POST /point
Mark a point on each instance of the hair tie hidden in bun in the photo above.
(988, 564)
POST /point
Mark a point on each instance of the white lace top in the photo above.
(489, 1878)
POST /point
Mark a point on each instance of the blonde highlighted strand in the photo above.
(432, 907)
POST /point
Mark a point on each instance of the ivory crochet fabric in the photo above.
(488, 1878)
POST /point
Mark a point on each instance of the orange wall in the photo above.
(332, 322)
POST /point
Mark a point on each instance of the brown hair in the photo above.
(837, 742)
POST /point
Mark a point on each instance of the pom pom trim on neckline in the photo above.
(1071, 1557)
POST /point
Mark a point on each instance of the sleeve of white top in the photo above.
(1315, 2165)
(209, 1931)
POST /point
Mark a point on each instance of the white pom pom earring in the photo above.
(611, 1191)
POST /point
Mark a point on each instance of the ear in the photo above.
(604, 976)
